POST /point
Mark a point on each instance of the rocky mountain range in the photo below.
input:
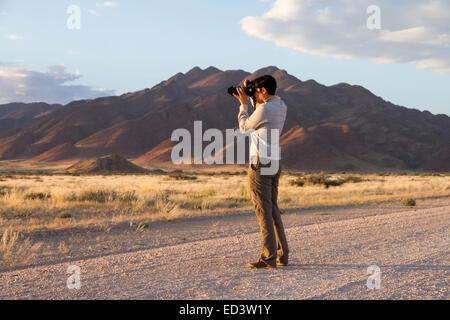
(332, 128)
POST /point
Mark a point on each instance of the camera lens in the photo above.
(232, 90)
(249, 89)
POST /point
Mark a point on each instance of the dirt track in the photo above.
(329, 260)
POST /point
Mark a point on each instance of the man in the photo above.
(265, 125)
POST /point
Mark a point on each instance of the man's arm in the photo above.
(254, 121)
(247, 123)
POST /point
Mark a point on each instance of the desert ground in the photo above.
(127, 233)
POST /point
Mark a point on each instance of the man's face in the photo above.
(259, 96)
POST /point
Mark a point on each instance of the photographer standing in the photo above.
(265, 124)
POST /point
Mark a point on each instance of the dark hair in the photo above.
(267, 82)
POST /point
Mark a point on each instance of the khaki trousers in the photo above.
(264, 195)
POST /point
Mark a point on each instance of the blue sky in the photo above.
(125, 46)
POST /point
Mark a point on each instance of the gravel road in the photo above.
(329, 260)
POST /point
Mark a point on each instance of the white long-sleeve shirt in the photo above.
(265, 126)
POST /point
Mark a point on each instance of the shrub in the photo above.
(37, 196)
(65, 215)
(98, 196)
(103, 196)
(323, 179)
(205, 206)
(150, 203)
(4, 190)
(333, 183)
(299, 182)
(352, 179)
(202, 194)
(163, 204)
(129, 196)
(194, 196)
(409, 202)
(180, 176)
(237, 199)
(194, 205)
(208, 193)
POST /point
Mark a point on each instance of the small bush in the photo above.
(163, 203)
(129, 196)
(180, 176)
(65, 215)
(101, 196)
(8, 176)
(37, 196)
(194, 205)
(299, 182)
(4, 190)
(333, 183)
(323, 179)
(205, 206)
(409, 202)
(352, 179)
(198, 205)
(194, 195)
(208, 193)
(150, 203)
(236, 199)
(201, 194)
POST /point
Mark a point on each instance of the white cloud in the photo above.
(19, 84)
(419, 35)
(106, 4)
(412, 31)
(15, 37)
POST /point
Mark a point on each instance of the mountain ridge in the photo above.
(330, 127)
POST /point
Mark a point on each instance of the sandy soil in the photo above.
(206, 258)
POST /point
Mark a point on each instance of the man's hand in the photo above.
(242, 97)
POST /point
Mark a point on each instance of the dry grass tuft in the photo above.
(14, 250)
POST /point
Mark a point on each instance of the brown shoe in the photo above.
(260, 265)
(281, 264)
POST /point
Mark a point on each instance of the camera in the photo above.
(249, 89)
